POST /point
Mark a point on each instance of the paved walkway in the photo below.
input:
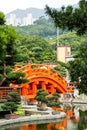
(33, 108)
(48, 116)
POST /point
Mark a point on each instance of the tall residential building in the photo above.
(12, 19)
(28, 20)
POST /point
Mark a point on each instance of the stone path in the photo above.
(47, 116)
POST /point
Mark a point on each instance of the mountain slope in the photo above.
(36, 13)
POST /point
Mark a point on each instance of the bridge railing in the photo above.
(33, 70)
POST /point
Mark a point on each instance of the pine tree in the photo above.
(70, 17)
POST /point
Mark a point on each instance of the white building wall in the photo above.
(13, 20)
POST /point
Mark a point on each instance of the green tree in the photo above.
(39, 50)
(42, 20)
(78, 68)
(75, 20)
(42, 27)
(61, 69)
(41, 96)
(12, 103)
(8, 37)
(54, 100)
(8, 41)
(2, 18)
(70, 17)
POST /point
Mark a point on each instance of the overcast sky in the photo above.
(7, 6)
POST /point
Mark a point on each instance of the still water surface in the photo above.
(76, 119)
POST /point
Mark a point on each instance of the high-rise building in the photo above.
(27, 20)
(11, 19)
(15, 21)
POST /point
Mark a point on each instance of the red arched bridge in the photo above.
(41, 77)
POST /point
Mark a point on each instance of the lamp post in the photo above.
(57, 41)
(57, 36)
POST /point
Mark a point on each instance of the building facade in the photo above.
(15, 21)
(63, 52)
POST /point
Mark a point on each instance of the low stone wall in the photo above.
(32, 118)
(78, 101)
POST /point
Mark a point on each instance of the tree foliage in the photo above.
(17, 77)
(78, 68)
(61, 70)
(37, 49)
(8, 41)
(43, 97)
(2, 18)
(42, 27)
(12, 103)
(42, 21)
(75, 19)
(70, 17)
(53, 100)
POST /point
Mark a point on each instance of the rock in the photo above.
(55, 112)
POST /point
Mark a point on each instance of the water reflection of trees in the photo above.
(76, 119)
(83, 120)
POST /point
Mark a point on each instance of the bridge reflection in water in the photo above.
(71, 122)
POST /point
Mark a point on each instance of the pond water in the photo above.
(76, 119)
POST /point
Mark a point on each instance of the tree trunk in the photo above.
(4, 73)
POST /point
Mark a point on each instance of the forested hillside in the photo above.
(42, 27)
(35, 50)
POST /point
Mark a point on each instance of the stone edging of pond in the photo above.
(32, 118)
(79, 101)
